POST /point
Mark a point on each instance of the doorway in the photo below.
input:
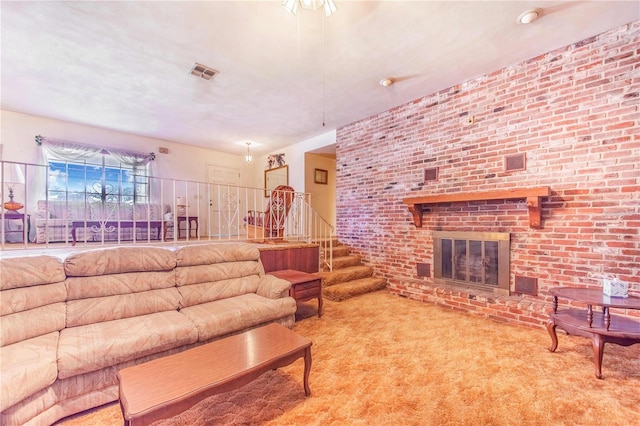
(224, 201)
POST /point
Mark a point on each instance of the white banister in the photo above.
(211, 212)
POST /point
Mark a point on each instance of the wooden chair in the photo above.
(269, 225)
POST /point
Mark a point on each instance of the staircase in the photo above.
(349, 277)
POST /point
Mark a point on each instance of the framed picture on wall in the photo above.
(320, 176)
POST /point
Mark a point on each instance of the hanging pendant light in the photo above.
(248, 157)
(329, 6)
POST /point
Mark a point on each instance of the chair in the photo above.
(270, 223)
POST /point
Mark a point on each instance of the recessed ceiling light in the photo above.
(386, 82)
(203, 71)
(529, 16)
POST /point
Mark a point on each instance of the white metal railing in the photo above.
(322, 234)
(172, 211)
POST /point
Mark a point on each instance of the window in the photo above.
(110, 182)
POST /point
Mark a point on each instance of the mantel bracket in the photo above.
(416, 212)
(535, 212)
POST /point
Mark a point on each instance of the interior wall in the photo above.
(323, 197)
(183, 162)
(294, 156)
(573, 112)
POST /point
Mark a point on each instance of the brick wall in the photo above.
(574, 112)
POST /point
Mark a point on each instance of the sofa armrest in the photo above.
(272, 287)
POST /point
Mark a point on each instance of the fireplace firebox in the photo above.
(472, 259)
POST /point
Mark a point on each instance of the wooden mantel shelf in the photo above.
(417, 204)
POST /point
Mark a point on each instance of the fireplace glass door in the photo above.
(472, 258)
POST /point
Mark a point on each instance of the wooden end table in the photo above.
(167, 386)
(600, 327)
(191, 225)
(26, 223)
(304, 286)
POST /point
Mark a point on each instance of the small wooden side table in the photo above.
(26, 222)
(191, 221)
(601, 327)
(304, 286)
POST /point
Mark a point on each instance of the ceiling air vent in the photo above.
(203, 71)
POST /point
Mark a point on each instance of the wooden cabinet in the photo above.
(300, 258)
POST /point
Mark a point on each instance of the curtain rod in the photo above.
(105, 151)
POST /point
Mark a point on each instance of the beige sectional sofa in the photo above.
(69, 326)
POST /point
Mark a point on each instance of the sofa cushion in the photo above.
(149, 211)
(32, 295)
(197, 292)
(94, 346)
(71, 210)
(100, 309)
(227, 316)
(27, 367)
(26, 298)
(196, 274)
(53, 223)
(111, 285)
(119, 260)
(207, 254)
(29, 271)
(32, 323)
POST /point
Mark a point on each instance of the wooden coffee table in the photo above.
(170, 385)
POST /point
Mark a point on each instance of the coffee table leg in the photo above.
(551, 328)
(124, 416)
(598, 352)
(307, 370)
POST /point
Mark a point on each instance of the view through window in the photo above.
(113, 183)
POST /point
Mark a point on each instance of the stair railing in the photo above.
(306, 224)
(323, 235)
(58, 209)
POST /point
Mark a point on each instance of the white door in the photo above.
(224, 200)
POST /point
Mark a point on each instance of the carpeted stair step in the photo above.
(350, 273)
(339, 251)
(346, 261)
(346, 290)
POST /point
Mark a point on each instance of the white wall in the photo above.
(301, 168)
(184, 162)
(295, 159)
(323, 197)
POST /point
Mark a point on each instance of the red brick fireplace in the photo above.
(571, 113)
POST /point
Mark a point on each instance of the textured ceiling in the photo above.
(282, 79)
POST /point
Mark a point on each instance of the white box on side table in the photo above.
(613, 287)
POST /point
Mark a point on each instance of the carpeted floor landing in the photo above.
(380, 359)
